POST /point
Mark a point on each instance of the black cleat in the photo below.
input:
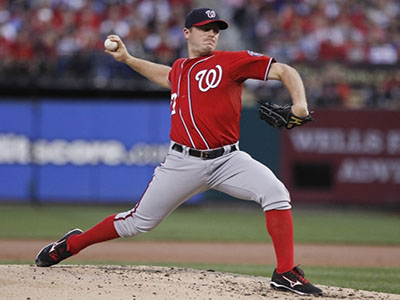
(55, 252)
(295, 282)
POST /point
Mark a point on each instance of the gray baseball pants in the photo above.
(181, 176)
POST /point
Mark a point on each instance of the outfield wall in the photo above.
(345, 157)
(80, 150)
(92, 151)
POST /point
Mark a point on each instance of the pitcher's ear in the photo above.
(186, 32)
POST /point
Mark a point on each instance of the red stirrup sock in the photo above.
(101, 232)
(280, 228)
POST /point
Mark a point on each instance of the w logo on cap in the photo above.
(211, 14)
(202, 16)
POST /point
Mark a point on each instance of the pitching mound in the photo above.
(142, 282)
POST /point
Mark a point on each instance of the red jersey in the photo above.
(206, 96)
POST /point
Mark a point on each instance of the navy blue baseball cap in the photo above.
(202, 16)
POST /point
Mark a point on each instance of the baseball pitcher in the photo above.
(204, 154)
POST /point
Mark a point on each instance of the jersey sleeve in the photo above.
(247, 64)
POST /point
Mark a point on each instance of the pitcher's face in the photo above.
(202, 40)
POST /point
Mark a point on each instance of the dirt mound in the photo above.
(143, 282)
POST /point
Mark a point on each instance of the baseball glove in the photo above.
(280, 116)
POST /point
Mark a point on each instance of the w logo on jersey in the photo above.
(209, 79)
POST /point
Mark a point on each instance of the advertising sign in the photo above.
(80, 151)
(345, 156)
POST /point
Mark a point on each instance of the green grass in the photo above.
(347, 227)
(208, 224)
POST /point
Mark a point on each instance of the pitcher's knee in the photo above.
(128, 225)
(278, 205)
(276, 197)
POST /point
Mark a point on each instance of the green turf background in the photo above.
(238, 223)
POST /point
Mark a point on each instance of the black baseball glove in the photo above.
(281, 116)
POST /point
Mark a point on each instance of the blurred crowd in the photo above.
(324, 33)
(61, 41)
(64, 38)
(348, 31)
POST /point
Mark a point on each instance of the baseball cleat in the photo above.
(55, 252)
(295, 282)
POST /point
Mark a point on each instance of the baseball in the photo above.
(110, 45)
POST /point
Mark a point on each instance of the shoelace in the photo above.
(299, 275)
(56, 254)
